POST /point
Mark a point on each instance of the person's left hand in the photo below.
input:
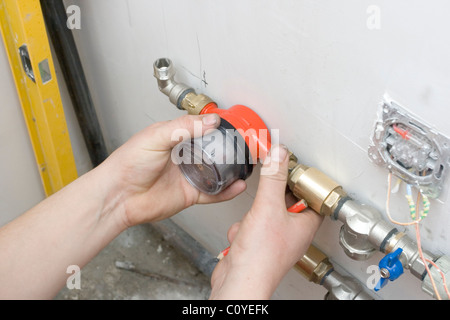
(268, 241)
(150, 186)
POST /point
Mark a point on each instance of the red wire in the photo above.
(223, 253)
(298, 207)
(403, 133)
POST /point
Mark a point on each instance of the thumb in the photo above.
(165, 135)
(274, 172)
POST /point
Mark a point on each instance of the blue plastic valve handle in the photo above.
(393, 265)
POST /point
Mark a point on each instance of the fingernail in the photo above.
(278, 153)
(210, 119)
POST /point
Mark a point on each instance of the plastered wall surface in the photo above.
(20, 186)
(315, 70)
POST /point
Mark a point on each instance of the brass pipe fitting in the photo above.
(292, 161)
(314, 265)
(194, 103)
(320, 192)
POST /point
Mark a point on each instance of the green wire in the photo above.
(412, 206)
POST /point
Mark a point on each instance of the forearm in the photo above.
(68, 228)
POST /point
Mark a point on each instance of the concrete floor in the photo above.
(139, 264)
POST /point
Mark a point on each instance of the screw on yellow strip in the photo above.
(28, 49)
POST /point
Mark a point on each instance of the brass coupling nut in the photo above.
(320, 192)
(314, 265)
(194, 103)
(293, 160)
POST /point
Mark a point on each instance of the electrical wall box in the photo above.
(410, 149)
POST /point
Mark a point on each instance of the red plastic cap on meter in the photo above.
(247, 122)
(213, 162)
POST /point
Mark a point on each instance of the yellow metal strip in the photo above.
(24, 34)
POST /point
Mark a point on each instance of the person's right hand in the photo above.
(267, 242)
(148, 185)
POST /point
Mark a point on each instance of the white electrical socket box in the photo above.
(410, 149)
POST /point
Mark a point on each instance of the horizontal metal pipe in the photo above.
(187, 246)
(344, 288)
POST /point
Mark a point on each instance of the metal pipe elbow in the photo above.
(164, 73)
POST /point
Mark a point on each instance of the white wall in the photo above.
(20, 184)
(311, 68)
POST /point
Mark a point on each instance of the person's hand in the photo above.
(149, 185)
(267, 242)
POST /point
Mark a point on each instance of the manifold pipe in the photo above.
(364, 231)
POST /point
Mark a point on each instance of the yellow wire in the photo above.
(388, 200)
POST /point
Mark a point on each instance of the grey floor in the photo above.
(139, 264)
